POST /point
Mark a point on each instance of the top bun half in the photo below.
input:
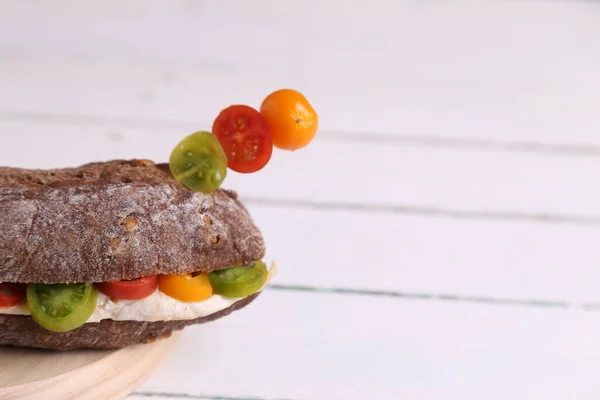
(116, 220)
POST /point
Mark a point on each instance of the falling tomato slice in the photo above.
(292, 119)
(245, 136)
(11, 294)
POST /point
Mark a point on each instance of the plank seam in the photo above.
(199, 396)
(424, 140)
(427, 211)
(572, 149)
(539, 303)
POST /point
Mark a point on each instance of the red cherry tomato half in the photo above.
(245, 136)
(11, 294)
(130, 290)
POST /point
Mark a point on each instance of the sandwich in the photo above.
(121, 252)
(116, 253)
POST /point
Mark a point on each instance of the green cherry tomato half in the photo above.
(239, 281)
(61, 307)
(199, 162)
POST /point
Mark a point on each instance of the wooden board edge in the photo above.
(110, 378)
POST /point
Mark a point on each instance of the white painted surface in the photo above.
(436, 255)
(458, 159)
(499, 70)
(321, 346)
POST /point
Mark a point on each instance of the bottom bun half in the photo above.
(22, 331)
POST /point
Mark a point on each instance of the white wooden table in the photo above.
(438, 240)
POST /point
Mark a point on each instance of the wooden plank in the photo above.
(308, 346)
(432, 256)
(423, 108)
(427, 180)
(466, 76)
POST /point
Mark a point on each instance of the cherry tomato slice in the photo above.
(186, 288)
(11, 294)
(245, 137)
(199, 162)
(239, 281)
(130, 290)
(61, 307)
(292, 119)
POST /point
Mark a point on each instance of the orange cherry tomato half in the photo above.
(11, 294)
(186, 288)
(130, 290)
(292, 119)
(245, 136)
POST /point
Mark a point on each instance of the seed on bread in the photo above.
(130, 223)
(214, 239)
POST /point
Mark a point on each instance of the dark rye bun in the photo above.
(22, 331)
(113, 221)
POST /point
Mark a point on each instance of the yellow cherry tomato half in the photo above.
(291, 118)
(186, 288)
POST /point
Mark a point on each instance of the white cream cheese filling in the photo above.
(156, 307)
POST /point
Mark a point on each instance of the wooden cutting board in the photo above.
(28, 374)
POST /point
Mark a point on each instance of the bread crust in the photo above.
(23, 331)
(116, 220)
